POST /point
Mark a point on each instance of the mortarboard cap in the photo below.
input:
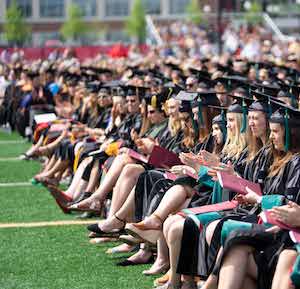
(289, 117)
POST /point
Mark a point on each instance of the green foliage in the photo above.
(15, 29)
(74, 28)
(253, 15)
(194, 12)
(136, 22)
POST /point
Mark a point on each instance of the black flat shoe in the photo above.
(127, 262)
(95, 228)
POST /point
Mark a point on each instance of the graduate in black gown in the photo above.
(259, 246)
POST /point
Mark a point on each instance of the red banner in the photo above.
(81, 52)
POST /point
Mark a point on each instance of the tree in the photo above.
(74, 28)
(194, 12)
(15, 29)
(136, 22)
(253, 15)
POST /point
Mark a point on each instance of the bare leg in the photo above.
(123, 198)
(77, 177)
(210, 231)
(109, 181)
(173, 238)
(81, 187)
(161, 263)
(60, 165)
(173, 229)
(126, 212)
(235, 268)
(124, 185)
(34, 147)
(47, 149)
(249, 283)
(176, 198)
(112, 176)
(281, 278)
(50, 164)
(94, 177)
(141, 257)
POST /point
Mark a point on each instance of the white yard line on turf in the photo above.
(45, 224)
(20, 184)
(4, 142)
(12, 159)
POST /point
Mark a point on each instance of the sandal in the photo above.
(168, 285)
(121, 249)
(59, 194)
(142, 226)
(162, 280)
(100, 233)
(95, 207)
(142, 231)
(97, 241)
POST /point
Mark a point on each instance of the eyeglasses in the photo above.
(151, 111)
(131, 100)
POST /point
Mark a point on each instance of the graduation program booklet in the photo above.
(237, 184)
(294, 232)
(173, 177)
(223, 206)
(159, 157)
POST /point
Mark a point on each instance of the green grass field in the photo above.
(50, 257)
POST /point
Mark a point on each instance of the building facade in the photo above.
(106, 16)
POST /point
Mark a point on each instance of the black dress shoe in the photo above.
(82, 197)
(95, 228)
(131, 263)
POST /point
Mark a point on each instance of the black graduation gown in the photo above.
(152, 186)
(268, 246)
(195, 241)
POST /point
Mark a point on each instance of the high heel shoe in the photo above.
(150, 236)
(113, 233)
(130, 240)
(63, 206)
(83, 196)
(163, 269)
(95, 207)
(143, 226)
(59, 194)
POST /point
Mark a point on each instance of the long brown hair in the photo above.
(145, 120)
(188, 131)
(281, 158)
(208, 114)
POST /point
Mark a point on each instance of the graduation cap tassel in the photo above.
(269, 107)
(194, 124)
(170, 92)
(287, 131)
(293, 99)
(256, 70)
(224, 124)
(200, 115)
(244, 123)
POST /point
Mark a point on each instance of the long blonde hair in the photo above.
(235, 141)
(255, 144)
